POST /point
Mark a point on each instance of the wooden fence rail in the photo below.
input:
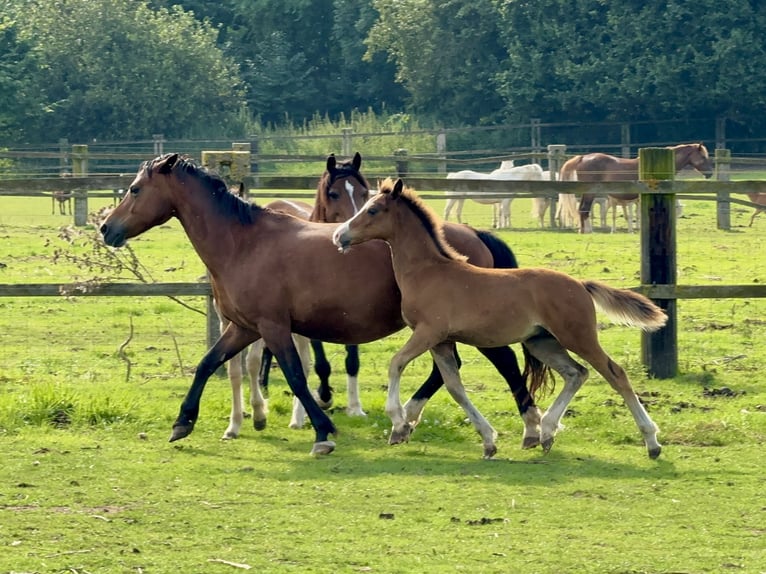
(84, 187)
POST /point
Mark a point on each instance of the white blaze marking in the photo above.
(350, 191)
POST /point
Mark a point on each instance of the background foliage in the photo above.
(105, 69)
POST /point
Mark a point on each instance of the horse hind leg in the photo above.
(504, 360)
(354, 407)
(548, 350)
(444, 356)
(618, 379)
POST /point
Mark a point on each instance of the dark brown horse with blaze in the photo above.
(599, 167)
(271, 274)
(446, 300)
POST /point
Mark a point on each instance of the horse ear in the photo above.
(331, 162)
(166, 163)
(398, 187)
(357, 161)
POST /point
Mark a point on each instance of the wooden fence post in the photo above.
(402, 165)
(80, 169)
(556, 157)
(441, 151)
(625, 140)
(722, 173)
(346, 142)
(658, 258)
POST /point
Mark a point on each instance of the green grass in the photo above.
(89, 483)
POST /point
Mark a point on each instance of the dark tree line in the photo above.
(120, 69)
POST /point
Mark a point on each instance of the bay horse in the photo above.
(341, 191)
(445, 299)
(603, 167)
(271, 274)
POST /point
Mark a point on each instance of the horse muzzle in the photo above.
(341, 238)
(113, 235)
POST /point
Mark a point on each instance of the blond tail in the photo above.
(626, 307)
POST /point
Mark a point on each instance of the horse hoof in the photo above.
(229, 435)
(547, 444)
(259, 424)
(401, 435)
(655, 452)
(355, 412)
(322, 448)
(489, 451)
(180, 431)
(530, 442)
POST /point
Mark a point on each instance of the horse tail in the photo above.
(502, 256)
(568, 171)
(539, 375)
(626, 307)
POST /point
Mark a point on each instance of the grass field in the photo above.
(89, 482)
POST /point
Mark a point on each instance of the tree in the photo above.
(447, 54)
(18, 63)
(592, 60)
(111, 69)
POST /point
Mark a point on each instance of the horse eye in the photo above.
(133, 189)
(332, 194)
(372, 211)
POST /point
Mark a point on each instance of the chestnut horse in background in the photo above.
(446, 300)
(271, 274)
(603, 167)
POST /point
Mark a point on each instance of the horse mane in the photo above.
(228, 204)
(699, 145)
(427, 216)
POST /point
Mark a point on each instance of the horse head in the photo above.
(146, 203)
(696, 155)
(342, 190)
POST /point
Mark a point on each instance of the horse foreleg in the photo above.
(548, 350)
(416, 345)
(354, 407)
(303, 346)
(258, 356)
(505, 361)
(584, 209)
(444, 356)
(280, 341)
(323, 370)
(459, 210)
(448, 208)
(234, 372)
(505, 213)
(231, 342)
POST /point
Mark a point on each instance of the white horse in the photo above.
(541, 204)
(506, 172)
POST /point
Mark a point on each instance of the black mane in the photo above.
(226, 202)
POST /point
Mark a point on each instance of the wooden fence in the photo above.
(650, 191)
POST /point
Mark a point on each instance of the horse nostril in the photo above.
(103, 229)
